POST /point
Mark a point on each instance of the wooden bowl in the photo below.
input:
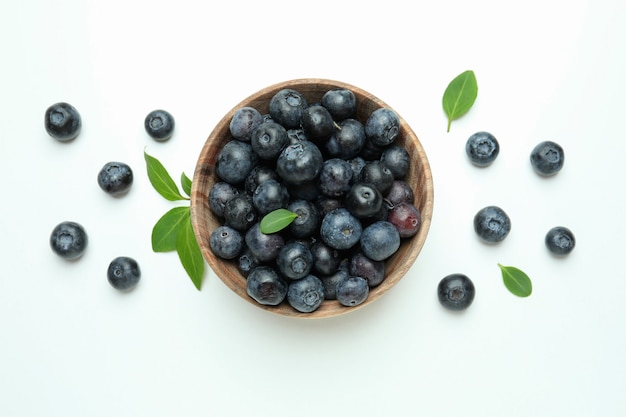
(204, 221)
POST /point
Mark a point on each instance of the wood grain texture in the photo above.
(204, 221)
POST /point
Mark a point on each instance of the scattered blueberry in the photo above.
(226, 242)
(266, 286)
(456, 292)
(306, 294)
(115, 178)
(244, 122)
(482, 148)
(159, 125)
(68, 240)
(380, 240)
(492, 224)
(560, 240)
(352, 291)
(62, 122)
(547, 158)
(123, 273)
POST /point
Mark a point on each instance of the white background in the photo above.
(70, 345)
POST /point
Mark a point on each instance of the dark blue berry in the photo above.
(372, 271)
(378, 174)
(300, 162)
(317, 123)
(363, 200)
(306, 294)
(235, 161)
(380, 240)
(266, 286)
(226, 242)
(268, 140)
(326, 260)
(482, 148)
(340, 102)
(260, 173)
(382, 126)
(357, 163)
(286, 108)
(560, 240)
(239, 212)
(244, 122)
(308, 220)
(340, 229)
(123, 273)
(396, 158)
(335, 177)
(219, 194)
(246, 261)
(352, 291)
(330, 281)
(547, 158)
(159, 125)
(115, 178)
(62, 122)
(264, 247)
(399, 192)
(68, 240)
(269, 196)
(456, 292)
(347, 141)
(492, 224)
(294, 260)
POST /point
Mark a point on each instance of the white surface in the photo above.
(73, 346)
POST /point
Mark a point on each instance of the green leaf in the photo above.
(460, 96)
(161, 179)
(516, 281)
(165, 231)
(185, 182)
(190, 254)
(277, 220)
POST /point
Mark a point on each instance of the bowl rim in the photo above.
(198, 199)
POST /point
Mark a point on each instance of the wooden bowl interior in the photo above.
(204, 221)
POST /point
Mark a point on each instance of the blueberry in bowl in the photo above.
(325, 235)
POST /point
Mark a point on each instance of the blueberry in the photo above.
(456, 292)
(246, 261)
(296, 135)
(396, 158)
(357, 163)
(340, 229)
(226, 242)
(492, 224)
(268, 140)
(380, 240)
(308, 220)
(264, 247)
(294, 260)
(406, 218)
(363, 200)
(335, 177)
(307, 190)
(62, 122)
(347, 141)
(399, 192)
(330, 281)
(68, 240)
(266, 286)
(235, 161)
(269, 196)
(547, 158)
(317, 123)
(382, 126)
(159, 125)
(244, 122)
(258, 174)
(352, 291)
(115, 178)
(340, 102)
(326, 260)
(239, 212)
(560, 240)
(378, 174)
(482, 148)
(219, 194)
(299, 162)
(123, 273)
(306, 294)
(286, 107)
(372, 271)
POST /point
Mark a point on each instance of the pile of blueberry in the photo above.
(492, 224)
(69, 239)
(343, 178)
